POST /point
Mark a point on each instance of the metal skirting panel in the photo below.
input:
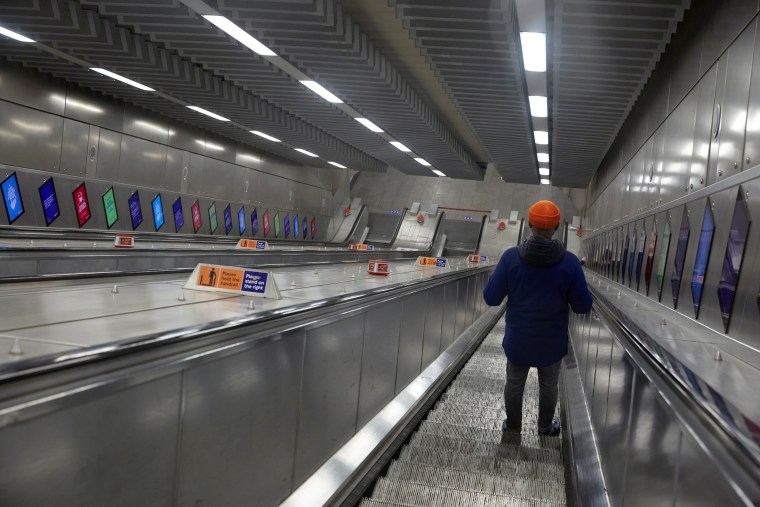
(652, 448)
(242, 416)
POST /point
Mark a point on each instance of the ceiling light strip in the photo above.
(123, 79)
(208, 113)
(14, 35)
(240, 35)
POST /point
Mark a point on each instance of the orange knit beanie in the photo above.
(544, 215)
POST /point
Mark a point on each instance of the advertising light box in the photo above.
(81, 204)
(254, 222)
(179, 220)
(227, 220)
(313, 228)
(135, 211)
(158, 212)
(196, 212)
(305, 227)
(265, 217)
(277, 224)
(241, 220)
(287, 225)
(49, 200)
(212, 217)
(14, 207)
(109, 206)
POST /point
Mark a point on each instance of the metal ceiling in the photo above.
(460, 97)
(604, 53)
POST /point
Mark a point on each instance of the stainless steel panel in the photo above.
(142, 162)
(184, 137)
(71, 451)
(411, 336)
(90, 108)
(29, 138)
(239, 425)
(76, 136)
(173, 171)
(589, 368)
(700, 482)
(723, 26)
(449, 320)
(652, 452)
(601, 384)
(380, 356)
(138, 123)
(92, 152)
(615, 431)
(109, 155)
(26, 87)
(703, 129)
(221, 180)
(219, 148)
(752, 133)
(734, 103)
(431, 346)
(679, 149)
(654, 173)
(461, 309)
(329, 392)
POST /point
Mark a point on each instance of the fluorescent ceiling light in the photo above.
(544, 171)
(534, 51)
(265, 136)
(545, 181)
(306, 152)
(369, 124)
(208, 113)
(321, 91)
(542, 136)
(123, 79)
(543, 157)
(538, 107)
(240, 35)
(422, 161)
(337, 165)
(439, 173)
(400, 146)
(14, 35)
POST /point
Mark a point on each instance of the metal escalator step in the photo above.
(406, 493)
(372, 502)
(535, 488)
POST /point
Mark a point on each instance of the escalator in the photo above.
(460, 456)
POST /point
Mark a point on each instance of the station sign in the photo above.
(234, 280)
(252, 244)
(395, 212)
(477, 258)
(433, 262)
(362, 247)
(124, 241)
(381, 268)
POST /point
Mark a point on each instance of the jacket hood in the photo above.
(539, 252)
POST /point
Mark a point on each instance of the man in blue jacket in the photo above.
(542, 280)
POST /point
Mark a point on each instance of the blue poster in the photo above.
(287, 225)
(439, 263)
(254, 281)
(241, 220)
(305, 227)
(179, 220)
(14, 207)
(254, 222)
(296, 229)
(134, 210)
(158, 212)
(227, 220)
(49, 201)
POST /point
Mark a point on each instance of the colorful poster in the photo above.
(287, 225)
(212, 217)
(266, 223)
(305, 227)
(14, 206)
(241, 220)
(313, 228)
(227, 220)
(296, 228)
(49, 201)
(179, 219)
(277, 224)
(158, 212)
(195, 210)
(109, 205)
(254, 222)
(81, 204)
(135, 211)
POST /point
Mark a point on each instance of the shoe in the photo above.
(505, 427)
(556, 428)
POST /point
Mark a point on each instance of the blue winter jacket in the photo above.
(541, 280)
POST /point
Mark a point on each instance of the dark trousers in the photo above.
(548, 392)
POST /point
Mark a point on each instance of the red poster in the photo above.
(81, 205)
(313, 228)
(196, 211)
(266, 223)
